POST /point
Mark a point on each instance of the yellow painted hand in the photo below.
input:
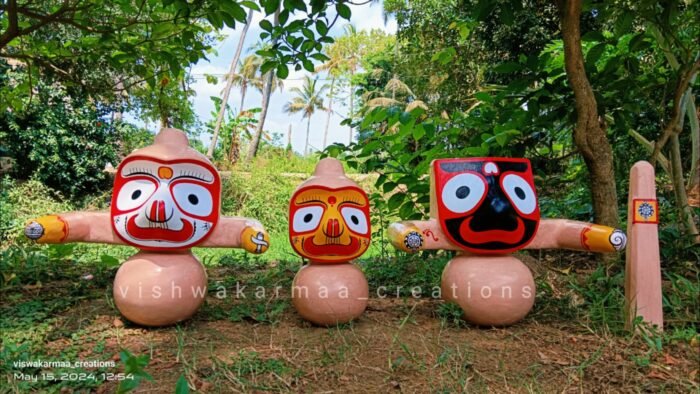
(406, 237)
(255, 239)
(49, 229)
(599, 238)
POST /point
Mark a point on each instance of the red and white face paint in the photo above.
(165, 204)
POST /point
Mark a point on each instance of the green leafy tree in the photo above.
(147, 43)
(590, 135)
(105, 50)
(65, 142)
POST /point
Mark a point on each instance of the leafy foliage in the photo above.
(134, 368)
(295, 40)
(103, 48)
(63, 141)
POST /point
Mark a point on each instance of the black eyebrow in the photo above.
(192, 177)
(459, 166)
(353, 203)
(139, 173)
(309, 201)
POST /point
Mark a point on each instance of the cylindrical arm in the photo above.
(574, 235)
(96, 227)
(235, 232)
(413, 235)
(93, 227)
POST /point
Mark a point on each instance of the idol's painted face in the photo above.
(329, 225)
(487, 205)
(162, 205)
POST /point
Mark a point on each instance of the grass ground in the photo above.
(400, 344)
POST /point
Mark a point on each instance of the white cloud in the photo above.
(371, 16)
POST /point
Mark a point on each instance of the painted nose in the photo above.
(333, 228)
(157, 212)
(499, 205)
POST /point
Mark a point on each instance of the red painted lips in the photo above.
(482, 237)
(160, 234)
(331, 249)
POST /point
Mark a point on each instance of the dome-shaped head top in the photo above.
(170, 144)
(166, 196)
(329, 172)
(329, 216)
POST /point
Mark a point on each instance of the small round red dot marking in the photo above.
(331, 200)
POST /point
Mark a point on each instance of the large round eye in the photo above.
(463, 192)
(355, 219)
(520, 193)
(193, 199)
(307, 219)
(134, 193)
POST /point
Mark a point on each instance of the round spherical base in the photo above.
(491, 290)
(160, 289)
(329, 294)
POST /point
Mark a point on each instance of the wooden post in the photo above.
(643, 263)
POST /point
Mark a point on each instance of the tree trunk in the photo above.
(235, 151)
(685, 211)
(267, 91)
(164, 120)
(352, 101)
(244, 90)
(692, 112)
(12, 24)
(308, 127)
(682, 104)
(686, 75)
(649, 146)
(589, 135)
(229, 84)
(330, 113)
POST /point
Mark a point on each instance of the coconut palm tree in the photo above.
(334, 68)
(259, 82)
(229, 83)
(308, 100)
(354, 52)
(270, 84)
(346, 55)
(395, 94)
(247, 76)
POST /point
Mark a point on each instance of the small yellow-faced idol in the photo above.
(329, 225)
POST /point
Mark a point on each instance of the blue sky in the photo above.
(364, 17)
